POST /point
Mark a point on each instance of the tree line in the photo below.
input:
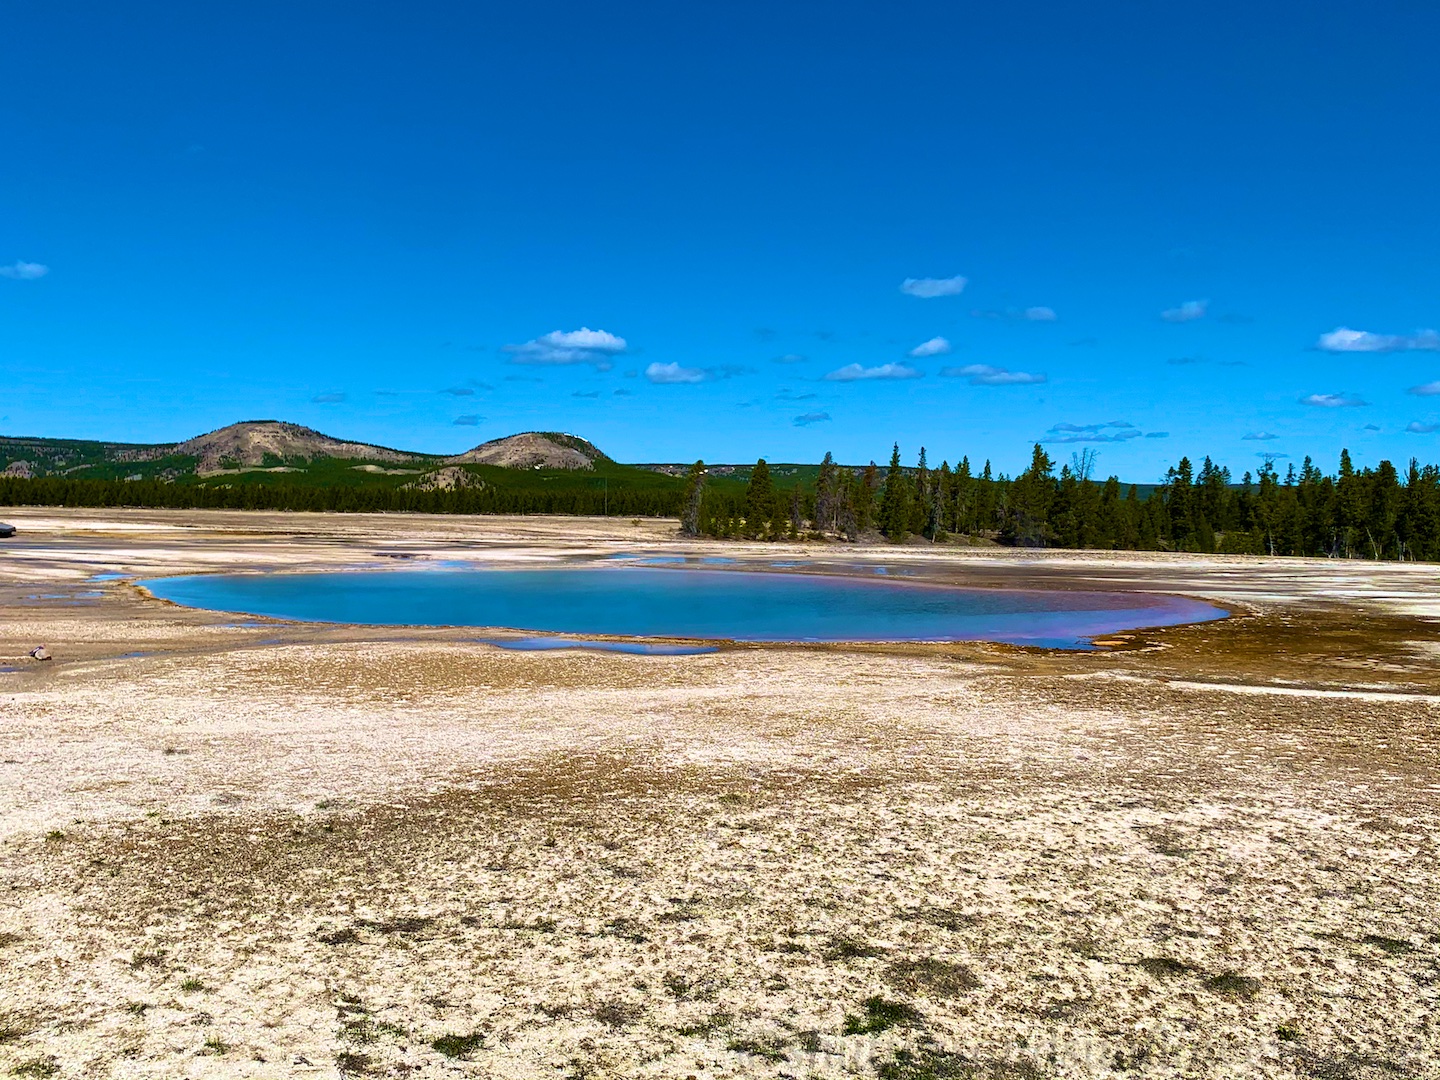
(1378, 513)
(1373, 513)
(615, 499)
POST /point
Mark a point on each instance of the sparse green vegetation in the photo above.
(631, 930)
(191, 985)
(1164, 967)
(716, 1021)
(941, 978)
(405, 924)
(215, 1046)
(351, 1063)
(1393, 946)
(358, 1029)
(618, 1014)
(845, 948)
(929, 1062)
(37, 1066)
(770, 1048)
(684, 988)
(1233, 985)
(459, 1046)
(881, 1014)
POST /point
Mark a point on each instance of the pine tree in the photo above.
(939, 523)
(894, 520)
(827, 496)
(863, 497)
(919, 518)
(694, 497)
(1031, 496)
(759, 500)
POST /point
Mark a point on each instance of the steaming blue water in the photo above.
(640, 602)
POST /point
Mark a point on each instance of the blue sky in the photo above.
(687, 230)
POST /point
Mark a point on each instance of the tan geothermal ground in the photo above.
(289, 850)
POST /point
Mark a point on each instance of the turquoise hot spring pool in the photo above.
(708, 605)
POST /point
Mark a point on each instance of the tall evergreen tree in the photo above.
(690, 524)
(894, 519)
(1027, 520)
(759, 500)
(828, 496)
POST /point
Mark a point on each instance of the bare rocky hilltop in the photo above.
(251, 442)
(534, 450)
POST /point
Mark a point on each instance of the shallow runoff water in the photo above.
(715, 605)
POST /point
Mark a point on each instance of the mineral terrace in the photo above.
(249, 848)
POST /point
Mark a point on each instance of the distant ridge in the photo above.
(534, 450)
(251, 442)
(277, 446)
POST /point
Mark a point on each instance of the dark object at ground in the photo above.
(40, 652)
(6, 530)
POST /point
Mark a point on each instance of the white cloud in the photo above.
(24, 271)
(1333, 401)
(790, 358)
(1258, 436)
(584, 338)
(1415, 427)
(928, 288)
(468, 420)
(1429, 389)
(988, 375)
(1189, 311)
(806, 419)
(1345, 340)
(583, 346)
(1111, 431)
(936, 346)
(333, 398)
(673, 373)
(854, 373)
(1029, 314)
(1078, 428)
